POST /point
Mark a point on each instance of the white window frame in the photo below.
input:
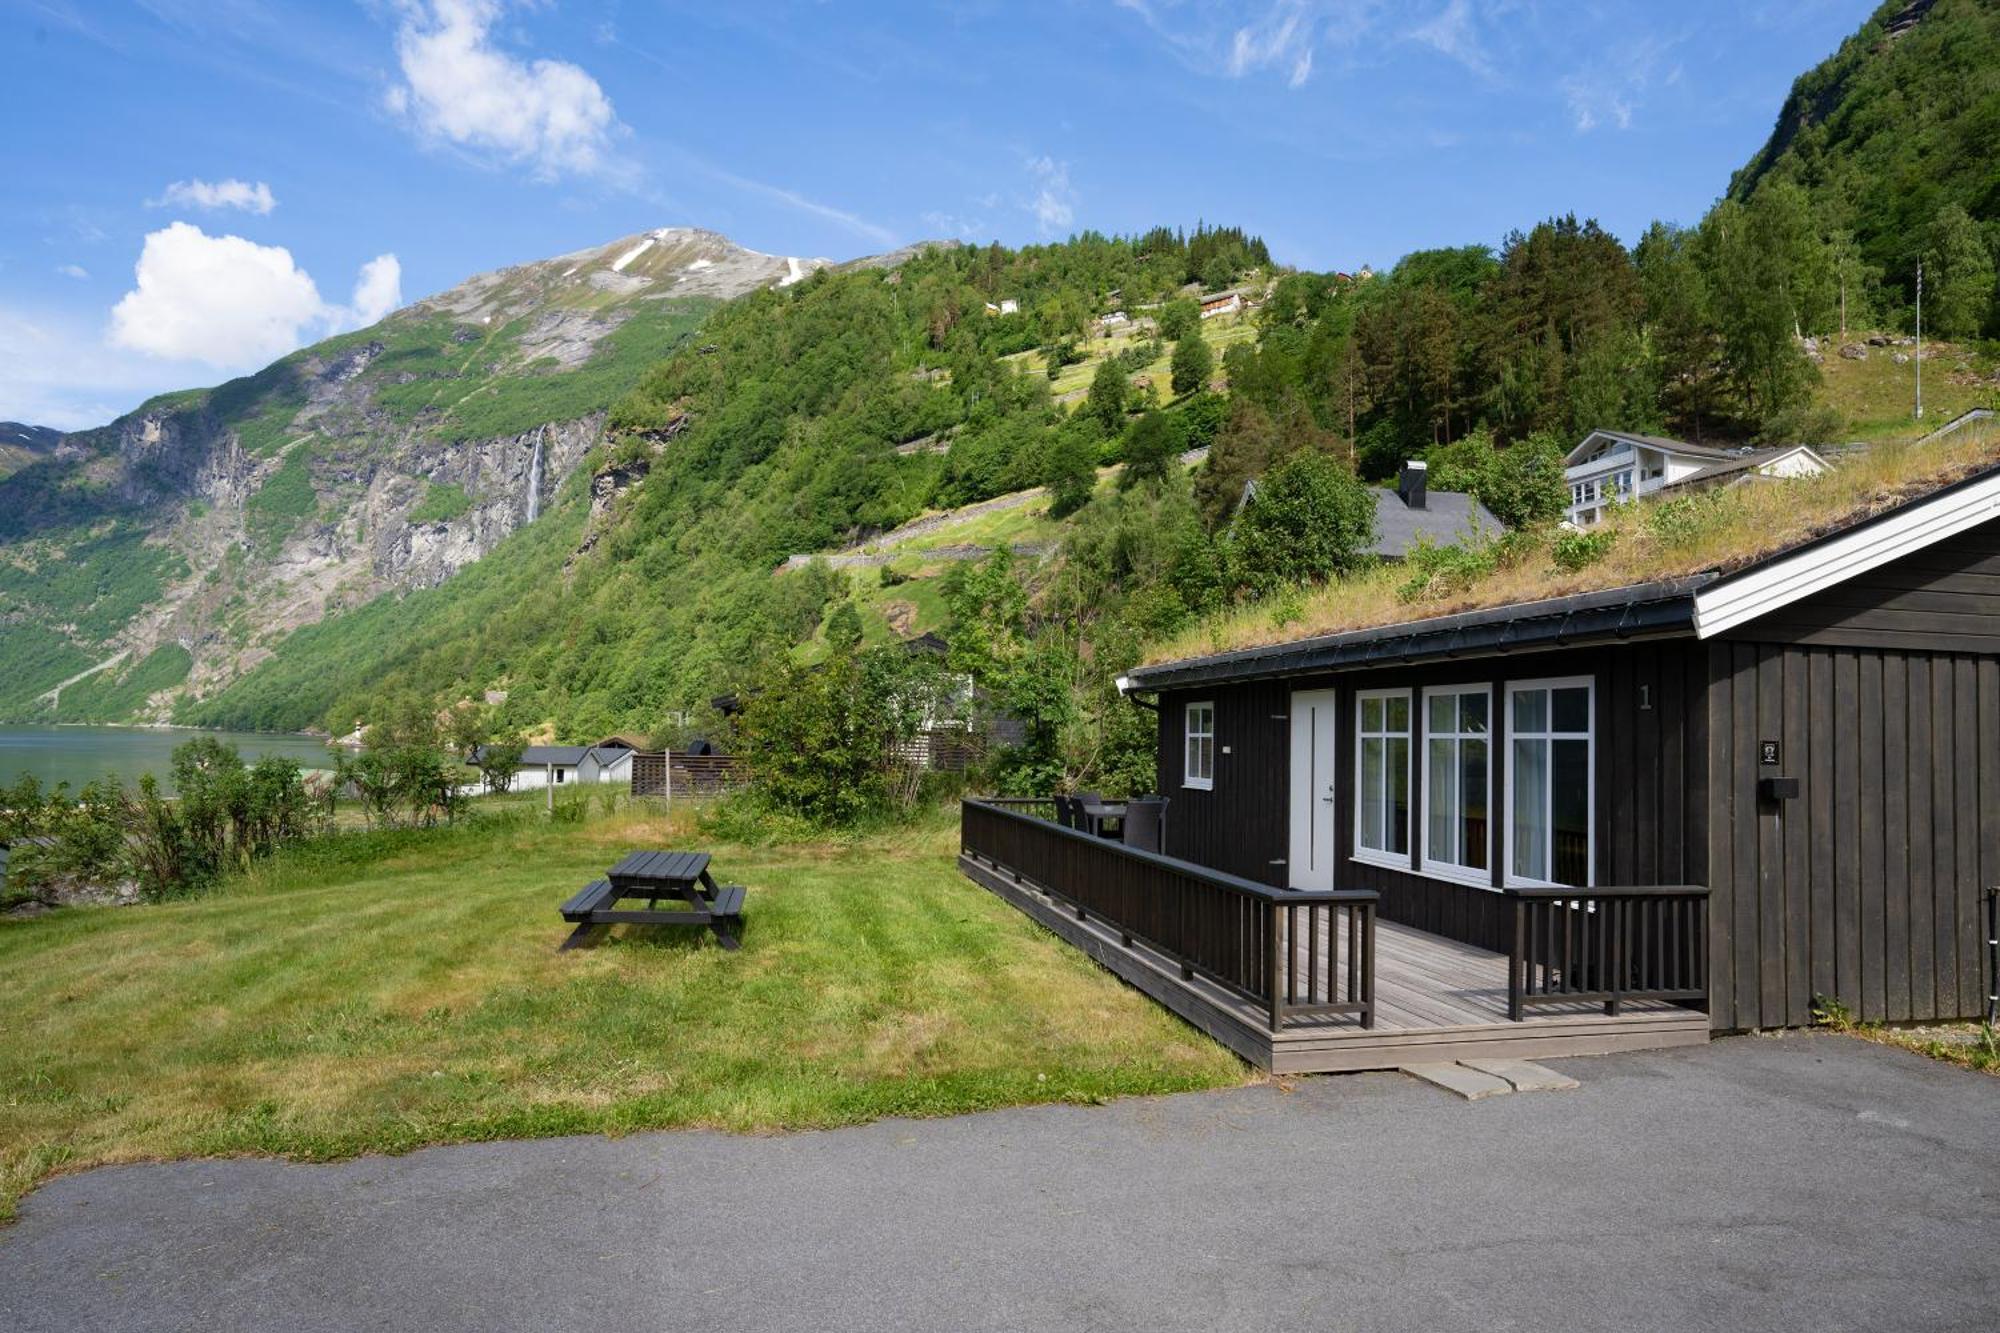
(1375, 855)
(1189, 735)
(1479, 877)
(1514, 687)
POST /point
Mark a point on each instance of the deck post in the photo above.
(1274, 963)
(1516, 960)
(1368, 962)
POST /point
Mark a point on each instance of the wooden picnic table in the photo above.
(681, 876)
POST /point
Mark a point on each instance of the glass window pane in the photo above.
(1441, 801)
(1472, 796)
(1569, 801)
(1370, 832)
(1371, 715)
(1572, 709)
(1531, 710)
(1399, 713)
(1472, 713)
(1399, 796)
(1529, 836)
(1443, 713)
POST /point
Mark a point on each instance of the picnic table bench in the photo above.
(679, 876)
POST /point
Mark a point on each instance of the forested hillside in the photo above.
(1892, 142)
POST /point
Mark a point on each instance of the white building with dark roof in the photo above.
(1614, 466)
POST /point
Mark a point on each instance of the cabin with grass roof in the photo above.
(1759, 783)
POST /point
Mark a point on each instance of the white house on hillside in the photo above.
(1614, 466)
(561, 765)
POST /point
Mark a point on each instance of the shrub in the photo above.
(1685, 520)
(1574, 550)
(1310, 518)
(1439, 571)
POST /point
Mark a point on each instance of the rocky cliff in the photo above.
(374, 462)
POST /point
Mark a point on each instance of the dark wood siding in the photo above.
(1241, 824)
(1651, 813)
(1945, 598)
(1865, 888)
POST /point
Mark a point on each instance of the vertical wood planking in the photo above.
(1845, 834)
(1719, 853)
(1820, 767)
(1966, 825)
(1744, 833)
(1771, 938)
(1872, 860)
(1795, 823)
(1895, 837)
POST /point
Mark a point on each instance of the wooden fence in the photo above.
(1608, 946)
(670, 774)
(1298, 954)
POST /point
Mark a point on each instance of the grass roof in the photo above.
(1657, 538)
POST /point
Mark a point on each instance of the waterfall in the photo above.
(535, 478)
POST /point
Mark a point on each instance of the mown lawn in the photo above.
(319, 1011)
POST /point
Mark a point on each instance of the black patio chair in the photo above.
(1146, 822)
(1084, 800)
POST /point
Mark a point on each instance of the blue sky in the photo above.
(202, 184)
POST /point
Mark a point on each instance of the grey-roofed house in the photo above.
(560, 765)
(1413, 512)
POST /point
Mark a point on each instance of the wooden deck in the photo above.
(1436, 999)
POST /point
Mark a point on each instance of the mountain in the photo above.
(21, 445)
(1896, 126)
(159, 557)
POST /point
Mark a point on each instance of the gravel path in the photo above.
(1809, 1182)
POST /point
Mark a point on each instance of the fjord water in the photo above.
(77, 755)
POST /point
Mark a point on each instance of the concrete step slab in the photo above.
(1471, 1084)
(1523, 1075)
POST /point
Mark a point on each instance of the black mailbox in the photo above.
(1777, 789)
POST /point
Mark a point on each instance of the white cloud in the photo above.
(1592, 103)
(1054, 200)
(1453, 33)
(233, 304)
(232, 193)
(1282, 38)
(460, 89)
(54, 372)
(73, 270)
(1277, 35)
(377, 291)
(959, 225)
(854, 222)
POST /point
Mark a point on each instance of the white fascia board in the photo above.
(1785, 580)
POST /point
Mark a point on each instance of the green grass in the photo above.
(441, 503)
(1221, 333)
(1876, 398)
(460, 399)
(284, 501)
(326, 1007)
(115, 695)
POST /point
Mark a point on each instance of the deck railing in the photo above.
(1299, 955)
(1608, 946)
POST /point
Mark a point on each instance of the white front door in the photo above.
(1313, 766)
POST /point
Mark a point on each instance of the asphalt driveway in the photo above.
(1800, 1182)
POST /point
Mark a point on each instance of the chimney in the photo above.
(1413, 482)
